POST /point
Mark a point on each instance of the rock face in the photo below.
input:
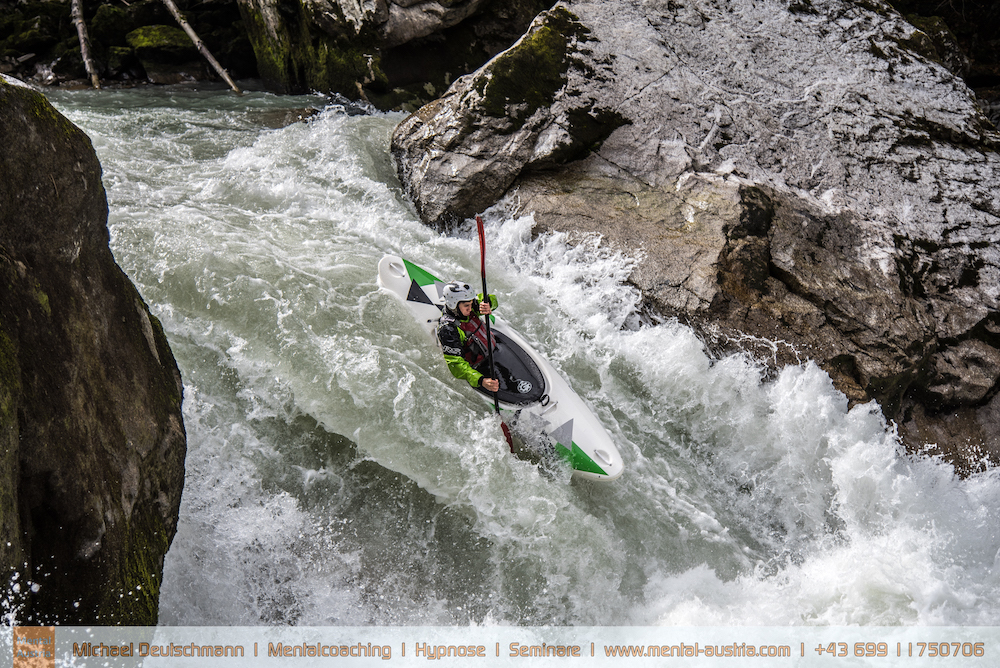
(92, 442)
(387, 51)
(800, 173)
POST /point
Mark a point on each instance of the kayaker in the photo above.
(463, 335)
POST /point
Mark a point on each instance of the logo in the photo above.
(523, 386)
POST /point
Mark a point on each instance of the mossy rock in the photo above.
(159, 38)
(167, 54)
(121, 58)
(439, 59)
(34, 27)
(33, 40)
(110, 26)
(527, 77)
(90, 394)
(303, 59)
(340, 68)
(120, 62)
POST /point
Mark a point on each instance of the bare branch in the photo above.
(199, 44)
(81, 31)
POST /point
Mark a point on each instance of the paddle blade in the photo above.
(506, 434)
(482, 248)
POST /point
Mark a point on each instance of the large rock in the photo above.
(92, 442)
(167, 54)
(803, 179)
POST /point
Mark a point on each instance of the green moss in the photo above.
(37, 105)
(42, 299)
(269, 60)
(43, 109)
(131, 596)
(339, 68)
(158, 37)
(140, 579)
(164, 51)
(527, 77)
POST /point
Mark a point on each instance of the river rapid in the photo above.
(338, 475)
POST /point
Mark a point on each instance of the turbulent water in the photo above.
(337, 474)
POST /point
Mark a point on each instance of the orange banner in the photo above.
(34, 647)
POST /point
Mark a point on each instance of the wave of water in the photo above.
(337, 474)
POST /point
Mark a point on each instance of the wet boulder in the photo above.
(167, 54)
(92, 441)
(804, 182)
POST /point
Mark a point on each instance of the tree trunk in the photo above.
(81, 31)
(199, 44)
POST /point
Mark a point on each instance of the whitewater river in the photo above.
(337, 474)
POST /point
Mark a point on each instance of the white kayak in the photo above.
(530, 387)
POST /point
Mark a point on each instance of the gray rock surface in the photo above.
(801, 173)
(92, 441)
(408, 20)
(397, 21)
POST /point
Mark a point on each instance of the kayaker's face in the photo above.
(465, 309)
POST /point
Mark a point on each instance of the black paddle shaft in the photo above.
(486, 296)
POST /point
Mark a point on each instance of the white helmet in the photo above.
(456, 292)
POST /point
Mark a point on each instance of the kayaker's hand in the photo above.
(491, 384)
(485, 308)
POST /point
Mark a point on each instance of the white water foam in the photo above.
(337, 474)
(846, 528)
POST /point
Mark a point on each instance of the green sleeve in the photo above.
(460, 368)
(493, 300)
